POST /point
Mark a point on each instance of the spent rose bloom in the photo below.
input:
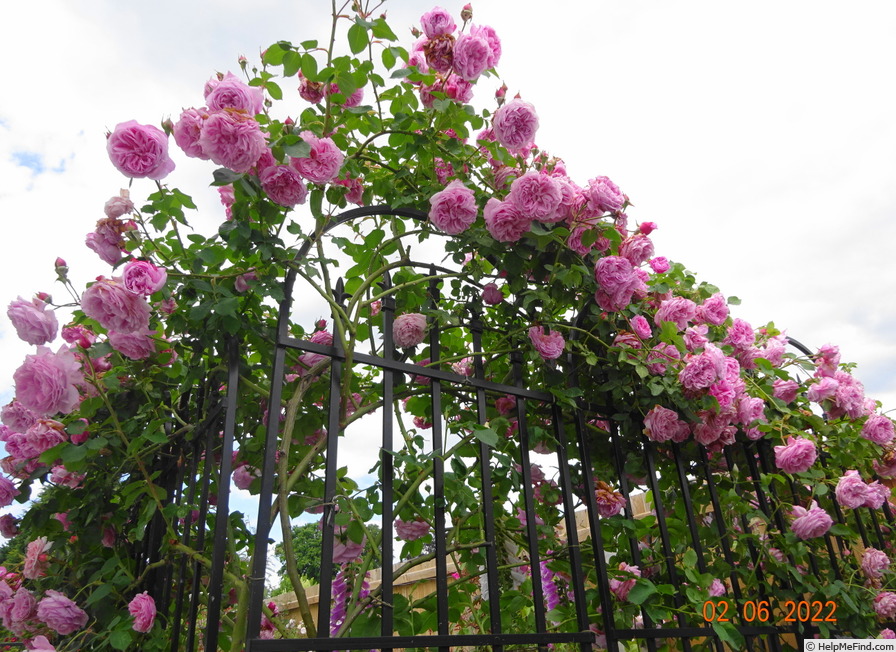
(453, 209)
(515, 124)
(233, 140)
(136, 346)
(408, 330)
(810, 523)
(232, 93)
(143, 609)
(536, 195)
(851, 490)
(549, 345)
(504, 222)
(492, 295)
(139, 151)
(283, 185)
(46, 383)
(662, 424)
(17, 416)
(118, 206)
(60, 614)
(8, 491)
(33, 322)
(879, 429)
(110, 303)
(411, 530)
(142, 277)
(323, 163)
(9, 526)
(796, 456)
(36, 558)
(874, 563)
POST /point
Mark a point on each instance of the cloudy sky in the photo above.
(760, 137)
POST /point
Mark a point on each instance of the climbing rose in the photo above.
(114, 307)
(471, 56)
(660, 264)
(885, 604)
(878, 429)
(515, 124)
(17, 416)
(785, 389)
(233, 140)
(617, 280)
(504, 222)
(143, 609)
(243, 475)
(678, 310)
(453, 209)
(46, 381)
(492, 295)
(874, 563)
(144, 278)
(887, 633)
(703, 370)
(33, 323)
(41, 644)
(118, 206)
(411, 530)
(494, 43)
(408, 330)
(232, 93)
(714, 310)
(8, 491)
(810, 523)
(662, 424)
(139, 151)
(621, 588)
(796, 456)
(638, 249)
(851, 490)
(536, 195)
(187, 131)
(437, 22)
(283, 185)
(36, 559)
(323, 163)
(136, 346)
(716, 589)
(641, 327)
(9, 526)
(604, 195)
(549, 345)
(60, 613)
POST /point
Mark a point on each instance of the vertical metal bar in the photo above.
(387, 625)
(488, 510)
(185, 537)
(219, 554)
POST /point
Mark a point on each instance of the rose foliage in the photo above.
(103, 419)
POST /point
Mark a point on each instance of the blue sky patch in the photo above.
(30, 160)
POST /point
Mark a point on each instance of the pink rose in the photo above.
(701, 371)
(796, 456)
(43, 435)
(641, 327)
(114, 307)
(139, 151)
(885, 604)
(408, 330)
(660, 264)
(549, 345)
(714, 310)
(33, 323)
(879, 429)
(232, 93)
(310, 91)
(8, 491)
(827, 360)
(504, 222)
(621, 588)
(17, 416)
(46, 383)
(678, 310)
(638, 249)
(142, 277)
(851, 490)
(232, 140)
(604, 195)
(494, 43)
(716, 589)
(35, 564)
(887, 633)
(187, 131)
(411, 530)
(453, 209)
(662, 424)
(471, 56)
(283, 185)
(322, 165)
(352, 100)
(874, 563)
(118, 206)
(492, 295)
(617, 280)
(344, 549)
(515, 124)
(786, 390)
(740, 335)
(609, 502)
(243, 475)
(109, 251)
(143, 609)
(877, 494)
(60, 613)
(437, 22)
(9, 526)
(41, 644)
(136, 346)
(65, 478)
(810, 523)
(536, 195)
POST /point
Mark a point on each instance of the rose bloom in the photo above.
(638, 249)
(641, 327)
(232, 93)
(678, 310)
(118, 206)
(114, 307)
(142, 277)
(243, 475)
(621, 588)
(549, 345)
(63, 477)
(322, 165)
(33, 323)
(660, 264)
(187, 131)
(283, 185)
(472, 55)
(411, 530)
(609, 502)
(41, 644)
(662, 424)
(139, 151)
(716, 589)
(810, 523)
(492, 295)
(714, 310)
(233, 140)
(515, 124)
(786, 390)
(877, 494)
(9, 526)
(143, 609)
(136, 346)
(494, 43)
(437, 22)
(874, 563)
(310, 91)
(617, 279)
(703, 370)
(504, 222)
(879, 429)
(453, 209)
(17, 416)
(887, 633)
(8, 491)
(604, 196)
(46, 382)
(660, 356)
(851, 490)
(796, 456)
(408, 330)
(60, 613)
(885, 604)
(346, 551)
(36, 558)
(44, 435)
(536, 195)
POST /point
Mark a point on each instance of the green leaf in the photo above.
(486, 435)
(309, 67)
(357, 38)
(729, 634)
(690, 558)
(273, 90)
(101, 592)
(292, 61)
(274, 54)
(223, 177)
(381, 29)
(388, 58)
(642, 590)
(401, 72)
(300, 149)
(73, 454)
(120, 639)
